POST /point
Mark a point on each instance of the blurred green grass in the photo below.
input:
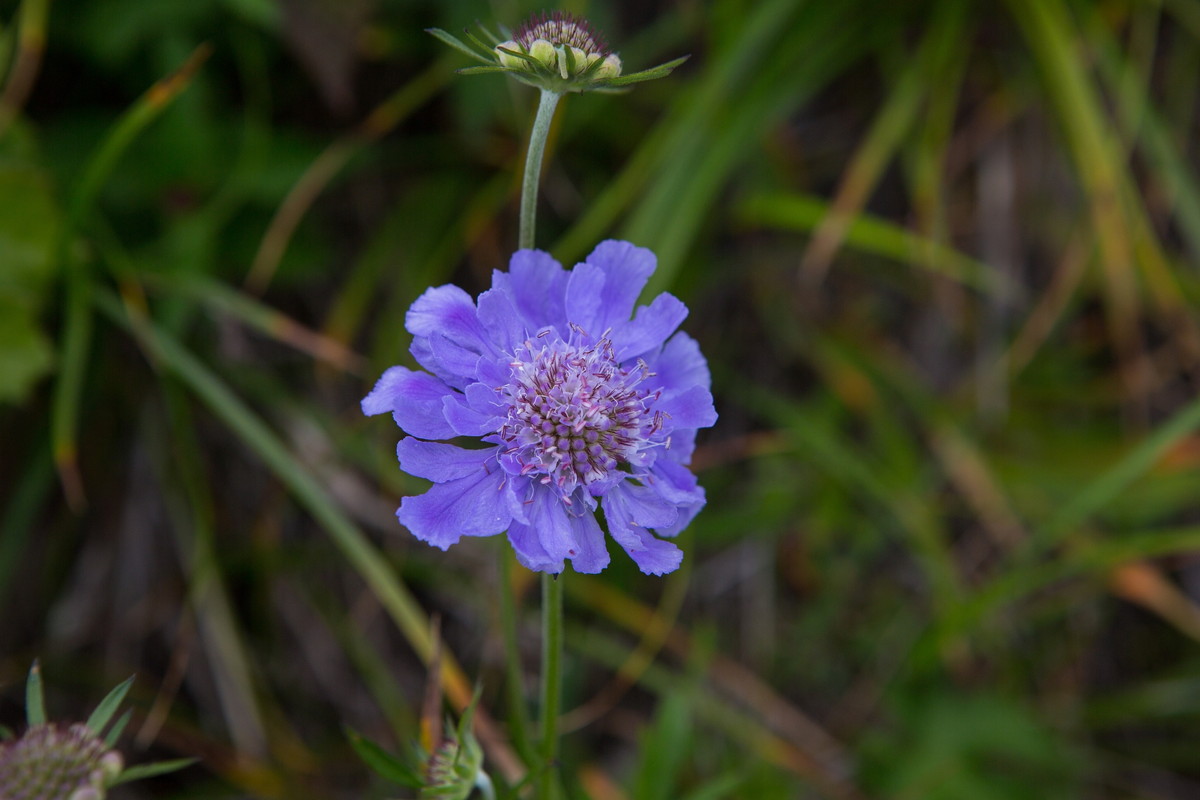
(941, 257)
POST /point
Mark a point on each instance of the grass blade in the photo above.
(870, 234)
(31, 45)
(77, 322)
(882, 141)
(1116, 479)
(1047, 28)
(349, 539)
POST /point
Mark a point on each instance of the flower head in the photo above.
(65, 762)
(581, 408)
(556, 52)
(53, 761)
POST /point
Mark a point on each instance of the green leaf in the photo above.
(25, 353)
(870, 234)
(264, 13)
(108, 706)
(485, 50)
(151, 770)
(30, 222)
(468, 715)
(664, 749)
(35, 700)
(383, 763)
(521, 55)
(350, 540)
(118, 728)
(6, 733)
(719, 788)
(457, 44)
(661, 71)
(29, 226)
(481, 70)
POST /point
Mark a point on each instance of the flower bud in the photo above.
(580, 59)
(557, 52)
(611, 68)
(111, 764)
(544, 52)
(507, 59)
(56, 761)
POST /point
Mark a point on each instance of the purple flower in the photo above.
(582, 408)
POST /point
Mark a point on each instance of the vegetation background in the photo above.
(941, 255)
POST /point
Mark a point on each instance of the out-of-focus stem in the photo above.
(552, 647)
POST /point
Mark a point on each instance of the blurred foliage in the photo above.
(941, 256)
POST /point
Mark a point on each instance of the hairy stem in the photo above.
(533, 167)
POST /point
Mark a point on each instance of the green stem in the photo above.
(533, 167)
(518, 714)
(552, 647)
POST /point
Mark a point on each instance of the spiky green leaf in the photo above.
(521, 55)
(151, 770)
(457, 44)
(35, 700)
(108, 706)
(661, 71)
(485, 50)
(382, 762)
(481, 70)
(118, 728)
(463, 731)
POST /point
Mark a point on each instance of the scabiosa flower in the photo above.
(556, 52)
(581, 408)
(57, 762)
(562, 43)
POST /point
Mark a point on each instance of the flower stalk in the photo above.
(552, 593)
(547, 104)
(552, 649)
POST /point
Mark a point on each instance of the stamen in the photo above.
(575, 414)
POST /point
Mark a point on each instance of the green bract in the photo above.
(555, 52)
(75, 761)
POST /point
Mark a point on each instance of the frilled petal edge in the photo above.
(630, 510)
(677, 485)
(602, 290)
(439, 462)
(650, 328)
(679, 365)
(653, 556)
(449, 311)
(477, 504)
(690, 408)
(591, 555)
(415, 400)
(528, 546)
(536, 284)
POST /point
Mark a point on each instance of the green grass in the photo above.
(941, 257)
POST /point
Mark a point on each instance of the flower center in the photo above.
(560, 28)
(575, 415)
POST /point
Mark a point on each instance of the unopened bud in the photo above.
(508, 59)
(111, 765)
(611, 68)
(544, 52)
